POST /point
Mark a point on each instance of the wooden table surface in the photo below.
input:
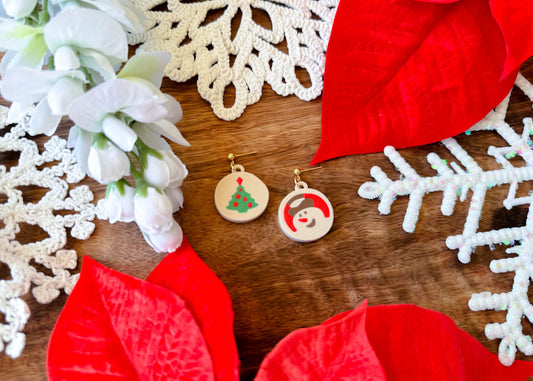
(278, 285)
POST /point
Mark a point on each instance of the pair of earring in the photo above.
(304, 215)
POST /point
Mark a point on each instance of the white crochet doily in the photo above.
(53, 169)
(198, 34)
(455, 181)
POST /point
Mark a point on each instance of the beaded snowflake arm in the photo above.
(454, 181)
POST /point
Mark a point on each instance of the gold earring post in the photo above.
(298, 172)
(231, 157)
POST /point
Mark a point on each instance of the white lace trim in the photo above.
(206, 50)
(43, 170)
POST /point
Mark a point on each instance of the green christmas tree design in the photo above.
(241, 201)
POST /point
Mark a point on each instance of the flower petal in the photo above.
(149, 66)
(29, 85)
(14, 35)
(169, 130)
(31, 56)
(62, 93)
(335, 350)
(90, 29)
(123, 11)
(17, 111)
(42, 120)
(117, 95)
(19, 8)
(150, 138)
(119, 133)
(65, 59)
(184, 273)
(167, 241)
(514, 17)
(97, 62)
(80, 140)
(173, 107)
(116, 327)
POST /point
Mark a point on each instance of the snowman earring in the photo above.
(240, 196)
(305, 214)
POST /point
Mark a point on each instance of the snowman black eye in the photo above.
(305, 212)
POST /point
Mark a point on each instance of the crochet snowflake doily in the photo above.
(26, 262)
(201, 44)
(455, 181)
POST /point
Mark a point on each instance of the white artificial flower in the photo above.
(52, 90)
(112, 97)
(153, 211)
(119, 202)
(122, 11)
(106, 162)
(18, 8)
(175, 195)
(167, 241)
(96, 38)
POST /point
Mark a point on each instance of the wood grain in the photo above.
(278, 285)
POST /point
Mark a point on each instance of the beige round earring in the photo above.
(305, 214)
(240, 196)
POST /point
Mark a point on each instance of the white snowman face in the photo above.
(309, 219)
(305, 215)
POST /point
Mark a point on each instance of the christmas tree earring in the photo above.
(240, 196)
(305, 214)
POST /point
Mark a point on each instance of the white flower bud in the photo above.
(156, 172)
(107, 164)
(167, 241)
(153, 211)
(119, 203)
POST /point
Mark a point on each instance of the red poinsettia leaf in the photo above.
(393, 343)
(338, 350)
(185, 274)
(515, 20)
(416, 344)
(430, 1)
(408, 73)
(116, 327)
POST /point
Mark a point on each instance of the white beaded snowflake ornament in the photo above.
(455, 181)
(205, 45)
(25, 261)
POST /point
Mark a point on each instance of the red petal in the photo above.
(116, 327)
(336, 350)
(393, 343)
(408, 73)
(185, 274)
(515, 18)
(430, 1)
(414, 343)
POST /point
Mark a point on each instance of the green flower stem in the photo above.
(144, 151)
(44, 15)
(118, 185)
